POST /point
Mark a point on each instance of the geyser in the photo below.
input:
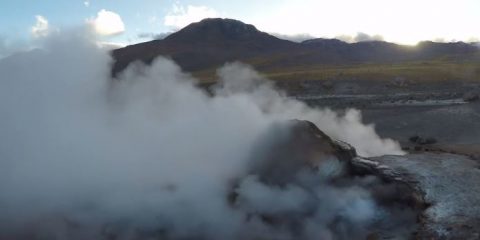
(151, 156)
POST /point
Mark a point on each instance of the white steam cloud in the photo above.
(107, 23)
(150, 155)
(41, 27)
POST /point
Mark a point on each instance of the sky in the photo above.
(127, 22)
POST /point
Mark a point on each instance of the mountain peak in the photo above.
(215, 29)
(226, 23)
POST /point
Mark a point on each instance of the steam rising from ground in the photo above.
(151, 155)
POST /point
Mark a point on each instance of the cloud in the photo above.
(475, 41)
(7, 47)
(4, 47)
(107, 23)
(363, 37)
(41, 27)
(156, 36)
(360, 37)
(10, 46)
(294, 37)
(86, 3)
(110, 45)
(180, 16)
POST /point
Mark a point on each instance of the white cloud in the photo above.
(86, 3)
(41, 27)
(294, 37)
(406, 22)
(473, 40)
(110, 45)
(151, 35)
(360, 37)
(5, 47)
(180, 16)
(107, 23)
(363, 37)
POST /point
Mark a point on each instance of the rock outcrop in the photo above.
(297, 154)
(440, 192)
(448, 183)
(295, 145)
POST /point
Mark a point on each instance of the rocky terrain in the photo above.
(448, 185)
(447, 112)
(439, 126)
(437, 190)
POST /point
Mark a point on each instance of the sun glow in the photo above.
(405, 22)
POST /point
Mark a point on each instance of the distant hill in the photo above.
(203, 46)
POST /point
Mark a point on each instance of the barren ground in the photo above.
(402, 110)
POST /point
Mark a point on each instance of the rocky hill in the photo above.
(207, 44)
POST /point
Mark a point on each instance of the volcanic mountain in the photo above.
(208, 44)
(205, 44)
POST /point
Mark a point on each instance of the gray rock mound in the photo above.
(425, 196)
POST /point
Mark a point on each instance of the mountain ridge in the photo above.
(214, 41)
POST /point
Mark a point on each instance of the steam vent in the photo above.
(417, 196)
(208, 128)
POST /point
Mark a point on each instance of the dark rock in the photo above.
(294, 145)
(422, 141)
(414, 139)
(471, 96)
(429, 140)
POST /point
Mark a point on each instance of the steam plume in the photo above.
(151, 155)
